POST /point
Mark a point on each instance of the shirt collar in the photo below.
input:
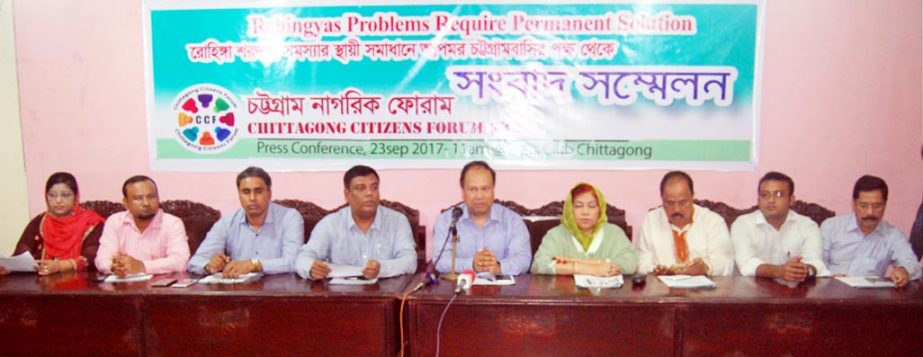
(853, 225)
(351, 221)
(494, 213)
(761, 219)
(156, 222)
(270, 217)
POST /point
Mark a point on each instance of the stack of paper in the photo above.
(866, 281)
(589, 281)
(686, 281)
(217, 278)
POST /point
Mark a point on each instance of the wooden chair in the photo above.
(814, 211)
(198, 219)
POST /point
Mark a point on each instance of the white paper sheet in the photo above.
(352, 281)
(686, 281)
(23, 262)
(343, 271)
(590, 281)
(217, 278)
(128, 278)
(866, 282)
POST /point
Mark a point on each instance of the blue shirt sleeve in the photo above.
(214, 243)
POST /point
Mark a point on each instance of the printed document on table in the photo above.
(22, 262)
(494, 280)
(866, 281)
(128, 278)
(217, 278)
(686, 281)
(353, 281)
(590, 281)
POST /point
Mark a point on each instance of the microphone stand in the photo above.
(452, 275)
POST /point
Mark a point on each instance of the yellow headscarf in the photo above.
(569, 222)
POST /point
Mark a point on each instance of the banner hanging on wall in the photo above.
(312, 86)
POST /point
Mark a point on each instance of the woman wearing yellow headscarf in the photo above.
(584, 242)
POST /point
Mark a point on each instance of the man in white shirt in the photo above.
(774, 241)
(681, 237)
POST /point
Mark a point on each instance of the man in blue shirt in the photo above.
(362, 234)
(862, 243)
(492, 238)
(260, 237)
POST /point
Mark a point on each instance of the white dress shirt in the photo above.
(757, 242)
(707, 238)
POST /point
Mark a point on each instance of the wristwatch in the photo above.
(256, 263)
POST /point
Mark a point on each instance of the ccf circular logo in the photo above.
(205, 118)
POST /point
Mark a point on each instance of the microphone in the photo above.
(456, 214)
(464, 281)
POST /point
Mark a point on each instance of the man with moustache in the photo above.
(364, 234)
(862, 243)
(262, 236)
(143, 239)
(681, 237)
(492, 238)
(774, 241)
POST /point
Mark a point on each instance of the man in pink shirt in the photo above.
(144, 239)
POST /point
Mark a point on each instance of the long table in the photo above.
(548, 315)
(282, 314)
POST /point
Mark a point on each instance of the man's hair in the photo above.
(870, 183)
(136, 179)
(358, 171)
(675, 175)
(254, 171)
(62, 177)
(777, 176)
(479, 163)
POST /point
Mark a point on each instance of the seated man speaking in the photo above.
(363, 234)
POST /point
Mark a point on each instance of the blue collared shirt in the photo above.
(848, 251)
(504, 234)
(275, 244)
(338, 240)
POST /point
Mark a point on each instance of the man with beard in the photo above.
(774, 241)
(862, 243)
(363, 234)
(681, 237)
(143, 239)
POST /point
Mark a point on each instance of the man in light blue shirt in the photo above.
(260, 237)
(492, 238)
(862, 243)
(363, 234)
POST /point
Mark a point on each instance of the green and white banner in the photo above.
(311, 85)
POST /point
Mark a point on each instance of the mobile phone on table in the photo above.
(162, 283)
(184, 283)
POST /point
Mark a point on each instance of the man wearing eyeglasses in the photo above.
(862, 243)
(774, 241)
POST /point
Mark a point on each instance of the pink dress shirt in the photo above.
(162, 247)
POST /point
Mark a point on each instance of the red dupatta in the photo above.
(63, 236)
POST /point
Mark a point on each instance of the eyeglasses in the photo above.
(776, 194)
